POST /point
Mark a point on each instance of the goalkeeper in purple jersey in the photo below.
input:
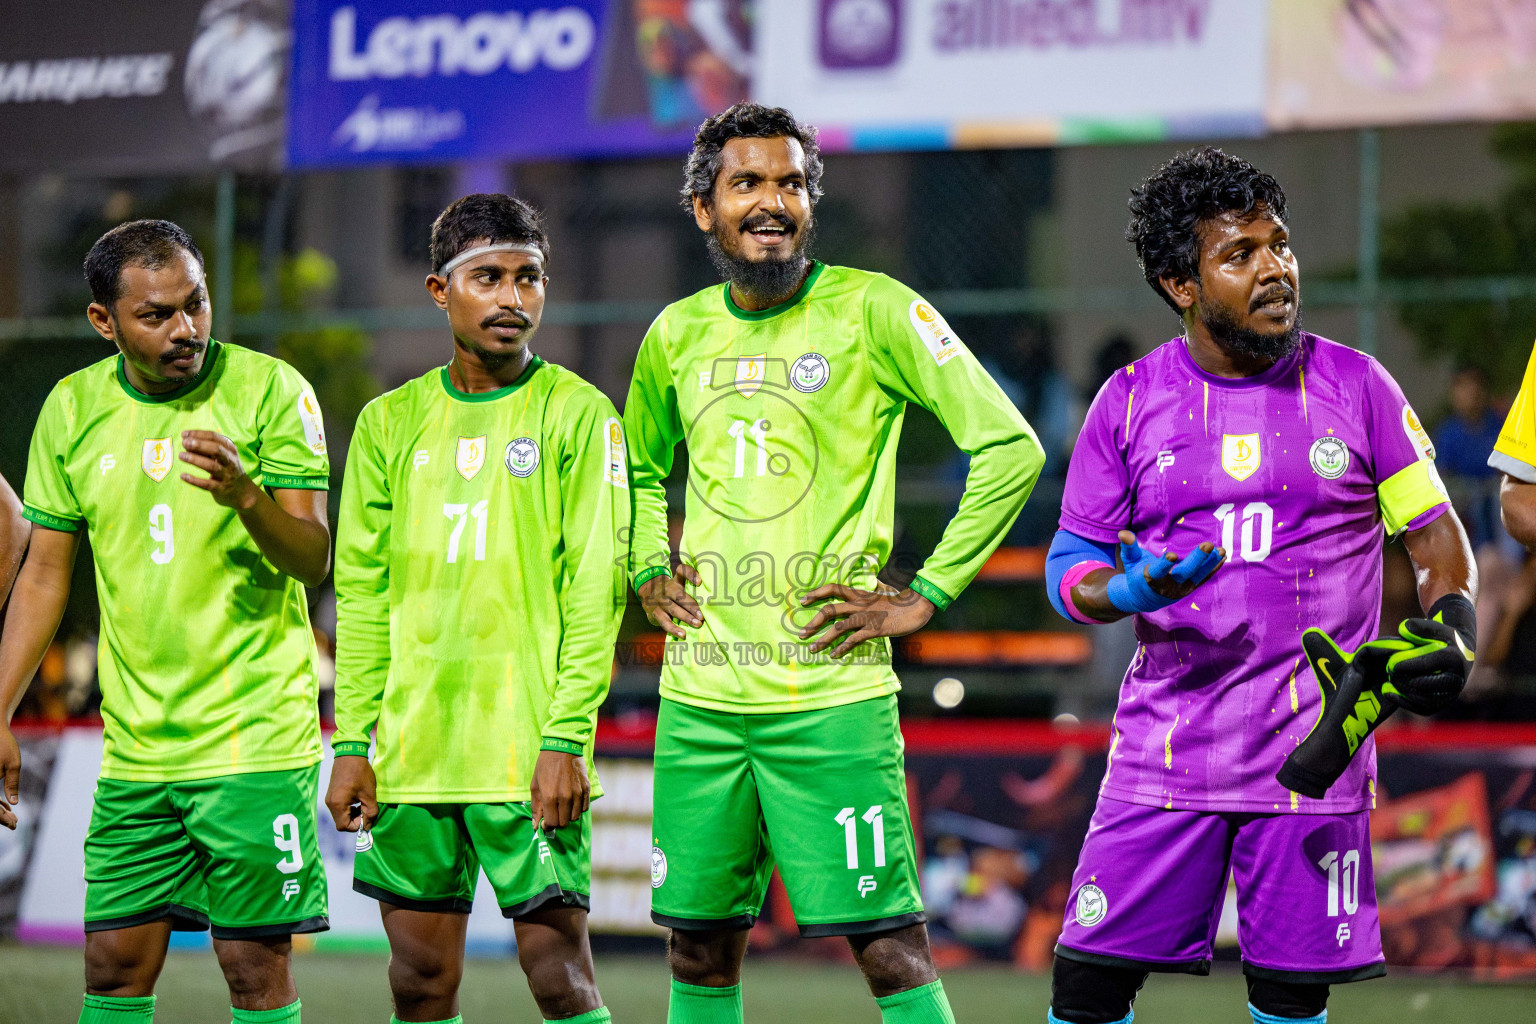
(1245, 475)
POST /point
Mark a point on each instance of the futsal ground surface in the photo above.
(42, 985)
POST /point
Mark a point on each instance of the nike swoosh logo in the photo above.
(1461, 646)
(1322, 666)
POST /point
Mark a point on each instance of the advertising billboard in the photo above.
(942, 73)
(407, 80)
(163, 88)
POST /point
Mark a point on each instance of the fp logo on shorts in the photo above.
(290, 889)
(1091, 905)
(658, 867)
(867, 885)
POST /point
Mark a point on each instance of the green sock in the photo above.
(597, 1016)
(925, 1004)
(112, 1010)
(696, 1004)
(282, 1015)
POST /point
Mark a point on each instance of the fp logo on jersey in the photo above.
(749, 374)
(471, 456)
(157, 458)
(522, 456)
(1329, 457)
(1240, 455)
(1091, 906)
(810, 372)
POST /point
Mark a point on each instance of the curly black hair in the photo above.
(487, 217)
(151, 244)
(1168, 208)
(746, 121)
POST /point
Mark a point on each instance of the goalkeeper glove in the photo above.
(1431, 672)
(1353, 687)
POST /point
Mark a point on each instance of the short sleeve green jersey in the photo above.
(206, 659)
(791, 417)
(479, 582)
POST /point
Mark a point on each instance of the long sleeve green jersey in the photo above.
(479, 582)
(791, 417)
(206, 660)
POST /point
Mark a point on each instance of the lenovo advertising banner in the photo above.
(162, 88)
(443, 80)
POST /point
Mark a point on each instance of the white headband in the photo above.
(464, 257)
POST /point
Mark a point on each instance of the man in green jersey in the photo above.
(205, 811)
(479, 584)
(778, 738)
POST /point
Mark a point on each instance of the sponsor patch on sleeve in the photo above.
(616, 466)
(314, 429)
(1417, 434)
(934, 332)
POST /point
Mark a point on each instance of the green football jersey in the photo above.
(479, 582)
(206, 660)
(791, 416)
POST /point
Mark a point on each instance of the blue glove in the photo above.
(1131, 592)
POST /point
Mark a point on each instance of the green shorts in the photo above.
(428, 857)
(236, 851)
(823, 793)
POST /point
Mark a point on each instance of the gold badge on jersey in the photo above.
(749, 374)
(156, 459)
(1240, 455)
(471, 456)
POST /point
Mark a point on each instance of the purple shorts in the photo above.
(1150, 883)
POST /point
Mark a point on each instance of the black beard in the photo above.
(1230, 333)
(494, 361)
(769, 278)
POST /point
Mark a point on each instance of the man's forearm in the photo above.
(299, 547)
(1442, 560)
(37, 608)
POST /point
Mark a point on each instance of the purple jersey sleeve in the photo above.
(1402, 454)
(1097, 502)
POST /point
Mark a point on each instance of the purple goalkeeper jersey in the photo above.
(1294, 473)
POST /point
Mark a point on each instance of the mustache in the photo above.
(507, 319)
(768, 219)
(1279, 291)
(182, 351)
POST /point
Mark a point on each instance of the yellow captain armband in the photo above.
(1409, 493)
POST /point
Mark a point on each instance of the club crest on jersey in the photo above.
(522, 456)
(314, 428)
(470, 457)
(933, 331)
(1417, 434)
(157, 458)
(658, 867)
(810, 372)
(1091, 906)
(1240, 455)
(1329, 457)
(749, 374)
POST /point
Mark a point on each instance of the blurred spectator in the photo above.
(1462, 444)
